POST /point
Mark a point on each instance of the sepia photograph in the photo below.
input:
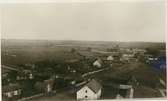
(75, 50)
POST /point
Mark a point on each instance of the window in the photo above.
(86, 96)
(86, 91)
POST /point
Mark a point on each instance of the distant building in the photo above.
(91, 91)
(97, 63)
(28, 74)
(137, 50)
(31, 76)
(11, 91)
(118, 96)
(150, 58)
(45, 86)
(49, 85)
(127, 57)
(110, 58)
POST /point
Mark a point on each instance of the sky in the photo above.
(93, 21)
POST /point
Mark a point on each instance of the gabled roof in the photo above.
(110, 58)
(98, 61)
(9, 68)
(94, 85)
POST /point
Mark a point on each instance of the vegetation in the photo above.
(66, 63)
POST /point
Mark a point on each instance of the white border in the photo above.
(71, 1)
(84, 1)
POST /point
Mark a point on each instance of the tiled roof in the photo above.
(94, 85)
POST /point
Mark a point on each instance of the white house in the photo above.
(110, 58)
(91, 91)
(97, 63)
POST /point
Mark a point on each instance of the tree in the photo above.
(152, 51)
(73, 50)
(89, 49)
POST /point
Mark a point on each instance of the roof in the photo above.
(4, 70)
(49, 81)
(98, 61)
(11, 87)
(10, 68)
(110, 58)
(94, 85)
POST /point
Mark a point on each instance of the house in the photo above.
(45, 86)
(5, 77)
(5, 72)
(118, 96)
(49, 85)
(98, 63)
(150, 58)
(127, 57)
(11, 91)
(28, 74)
(110, 58)
(91, 91)
(9, 74)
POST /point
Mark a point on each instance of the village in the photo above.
(81, 73)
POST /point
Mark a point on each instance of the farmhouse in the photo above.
(91, 91)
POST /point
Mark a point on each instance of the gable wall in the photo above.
(82, 93)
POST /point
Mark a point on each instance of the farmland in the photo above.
(67, 61)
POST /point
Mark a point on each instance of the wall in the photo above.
(90, 94)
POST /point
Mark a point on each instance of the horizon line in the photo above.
(81, 40)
